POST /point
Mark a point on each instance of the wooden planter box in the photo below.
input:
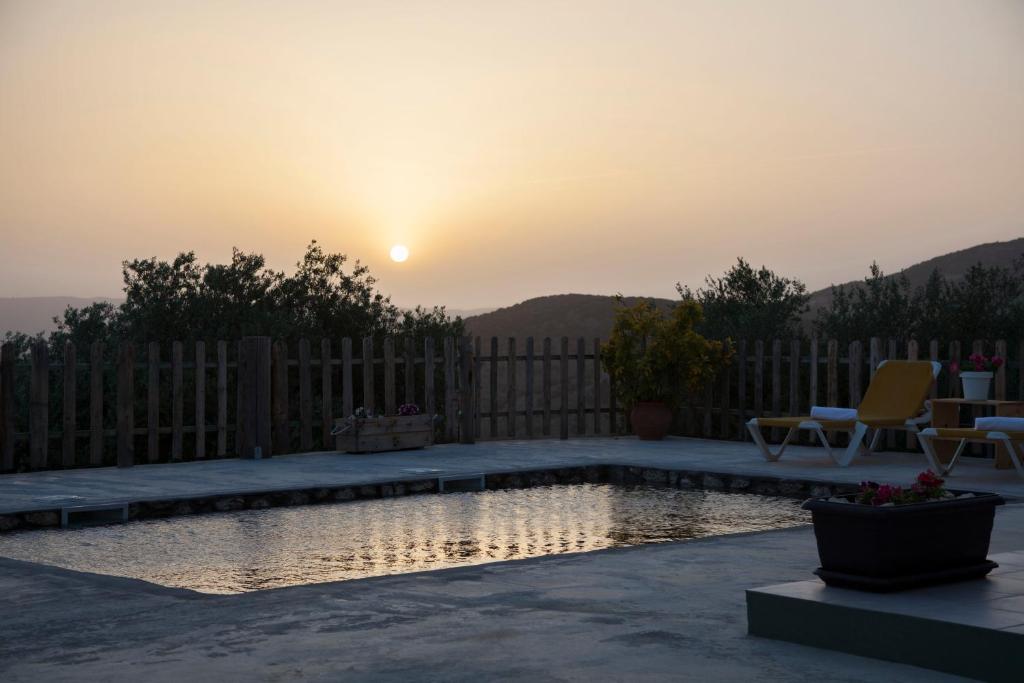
(380, 434)
(894, 548)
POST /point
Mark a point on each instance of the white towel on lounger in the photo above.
(837, 414)
(1000, 424)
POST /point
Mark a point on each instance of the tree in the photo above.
(749, 303)
(185, 300)
(881, 306)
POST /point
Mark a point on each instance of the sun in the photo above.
(399, 253)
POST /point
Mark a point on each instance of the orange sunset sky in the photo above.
(517, 148)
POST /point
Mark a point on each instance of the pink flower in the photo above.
(997, 361)
(954, 367)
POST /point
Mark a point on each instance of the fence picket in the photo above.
(493, 388)
(741, 386)
(597, 386)
(478, 396)
(222, 398)
(409, 370)
(563, 367)
(954, 369)
(1000, 388)
(280, 436)
(546, 386)
(891, 354)
(912, 352)
(510, 386)
(95, 403)
(390, 404)
(7, 406)
(450, 398)
(759, 378)
(856, 359)
(529, 388)
(581, 394)
(367, 360)
(39, 406)
(326, 395)
(200, 402)
(429, 402)
(776, 384)
(347, 400)
(305, 397)
(177, 401)
(68, 416)
(126, 405)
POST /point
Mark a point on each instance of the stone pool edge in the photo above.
(510, 479)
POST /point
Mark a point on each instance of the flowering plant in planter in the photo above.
(928, 486)
(978, 362)
(407, 409)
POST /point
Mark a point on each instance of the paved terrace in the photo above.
(49, 490)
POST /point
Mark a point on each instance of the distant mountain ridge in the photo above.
(952, 265)
(555, 316)
(589, 315)
(32, 314)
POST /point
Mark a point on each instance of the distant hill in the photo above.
(569, 315)
(952, 265)
(33, 314)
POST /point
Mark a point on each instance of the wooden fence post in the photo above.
(581, 393)
(597, 386)
(912, 352)
(390, 402)
(832, 380)
(1000, 387)
(874, 355)
(529, 388)
(280, 432)
(812, 374)
(326, 395)
(510, 386)
(428, 376)
(39, 406)
(257, 385)
(68, 416)
(466, 421)
(126, 404)
(776, 384)
(563, 366)
(492, 389)
(856, 368)
(200, 402)
(7, 409)
(546, 387)
(177, 401)
(153, 401)
(347, 400)
(222, 398)
(759, 378)
(891, 354)
(96, 403)
(368, 388)
(450, 414)
(954, 369)
(933, 354)
(741, 387)
(478, 395)
(725, 421)
(409, 370)
(794, 377)
(305, 396)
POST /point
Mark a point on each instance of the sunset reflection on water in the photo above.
(257, 549)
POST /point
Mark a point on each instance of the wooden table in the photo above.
(946, 413)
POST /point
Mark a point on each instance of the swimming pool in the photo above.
(257, 549)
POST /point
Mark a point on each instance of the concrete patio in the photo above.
(47, 490)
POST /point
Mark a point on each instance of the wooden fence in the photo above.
(116, 407)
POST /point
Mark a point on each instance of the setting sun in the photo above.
(399, 253)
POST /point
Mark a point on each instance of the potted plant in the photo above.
(654, 356)
(888, 538)
(363, 432)
(977, 380)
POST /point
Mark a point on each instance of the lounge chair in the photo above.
(1012, 441)
(895, 399)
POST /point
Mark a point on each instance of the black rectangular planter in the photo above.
(903, 546)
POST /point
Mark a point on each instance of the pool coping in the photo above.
(256, 498)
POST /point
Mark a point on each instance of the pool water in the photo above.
(257, 549)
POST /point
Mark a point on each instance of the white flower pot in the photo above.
(976, 385)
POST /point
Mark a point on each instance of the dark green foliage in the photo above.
(749, 303)
(987, 303)
(185, 300)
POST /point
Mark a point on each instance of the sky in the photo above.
(516, 148)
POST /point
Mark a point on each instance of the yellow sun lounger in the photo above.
(1012, 441)
(895, 399)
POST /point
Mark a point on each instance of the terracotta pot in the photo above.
(651, 420)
